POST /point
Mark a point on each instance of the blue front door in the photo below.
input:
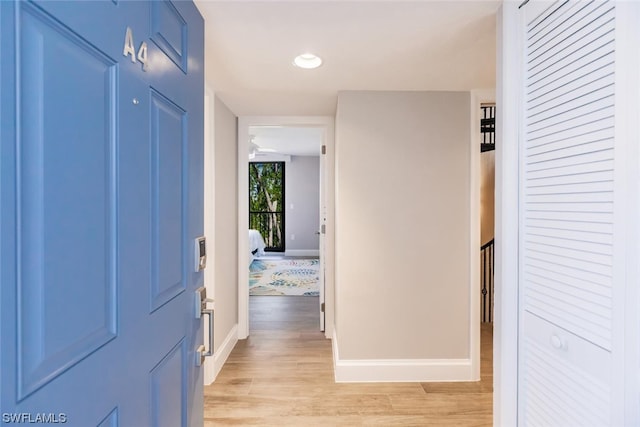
(101, 201)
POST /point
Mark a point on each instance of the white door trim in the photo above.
(244, 122)
(505, 332)
(626, 379)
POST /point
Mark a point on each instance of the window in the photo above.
(488, 128)
(266, 203)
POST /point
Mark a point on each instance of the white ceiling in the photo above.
(365, 45)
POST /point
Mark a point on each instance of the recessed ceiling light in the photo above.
(307, 61)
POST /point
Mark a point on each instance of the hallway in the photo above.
(283, 375)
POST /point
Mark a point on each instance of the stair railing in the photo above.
(487, 270)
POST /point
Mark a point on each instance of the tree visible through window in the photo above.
(266, 202)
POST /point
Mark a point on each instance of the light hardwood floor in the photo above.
(282, 375)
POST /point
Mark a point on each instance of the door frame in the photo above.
(327, 185)
(505, 332)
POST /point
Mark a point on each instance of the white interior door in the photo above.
(573, 196)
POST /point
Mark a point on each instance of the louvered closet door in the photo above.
(566, 215)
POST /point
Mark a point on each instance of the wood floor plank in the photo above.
(283, 376)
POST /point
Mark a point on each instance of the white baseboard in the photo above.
(302, 252)
(222, 354)
(399, 370)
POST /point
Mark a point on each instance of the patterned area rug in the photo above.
(284, 277)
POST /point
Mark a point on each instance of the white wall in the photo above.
(302, 190)
(225, 246)
(402, 230)
(221, 203)
(209, 214)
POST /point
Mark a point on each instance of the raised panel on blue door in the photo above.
(66, 230)
(168, 388)
(168, 143)
(169, 32)
(110, 420)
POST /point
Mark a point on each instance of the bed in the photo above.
(256, 245)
